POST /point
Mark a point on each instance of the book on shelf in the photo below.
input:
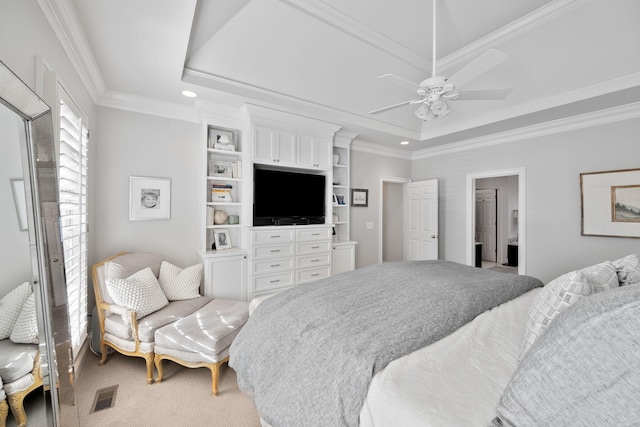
(236, 169)
(210, 212)
(221, 193)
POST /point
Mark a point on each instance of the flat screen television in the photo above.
(287, 198)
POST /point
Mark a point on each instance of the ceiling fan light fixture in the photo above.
(440, 108)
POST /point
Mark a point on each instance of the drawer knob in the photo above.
(275, 250)
(315, 274)
(275, 265)
(315, 247)
(274, 281)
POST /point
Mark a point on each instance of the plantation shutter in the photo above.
(74, 137)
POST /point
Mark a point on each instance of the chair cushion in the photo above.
(25, 331)
(207, 331)
(178, 283)
(10, 306)
(16, 360)
(147, 327)
(140, 292)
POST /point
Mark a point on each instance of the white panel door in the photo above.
(421, 220)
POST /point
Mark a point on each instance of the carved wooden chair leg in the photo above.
(103, 350)
(4, 411)
(16, 402)
(148, 357)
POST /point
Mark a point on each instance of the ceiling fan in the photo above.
(434, 92)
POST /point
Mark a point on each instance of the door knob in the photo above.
(433, 236)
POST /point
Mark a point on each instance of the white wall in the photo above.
(392, 213)
(553, 165)
(366, 170)
(131, 144)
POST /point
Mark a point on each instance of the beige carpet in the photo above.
(183, 398)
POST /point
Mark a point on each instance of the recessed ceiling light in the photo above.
(404, 143)
(189, 94)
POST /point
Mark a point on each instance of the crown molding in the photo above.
(597, 118)
(336, 19)
(143, 105)
(526, 23)
(381, 150)
(66, 25)
(580, 94)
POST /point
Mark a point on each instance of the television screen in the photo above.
(282, 196)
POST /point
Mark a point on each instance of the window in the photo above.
(74, 137)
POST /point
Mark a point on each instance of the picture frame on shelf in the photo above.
(222, 239)
(221, 169)
(610, 203)
(149, 198)
(335, 199)
(221, 140)
(360, 197)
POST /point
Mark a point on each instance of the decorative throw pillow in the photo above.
(10, 306)
(628, 269)
(555, 297)
(140, 292)
(604, 276)
(179, 284)
(25, 331)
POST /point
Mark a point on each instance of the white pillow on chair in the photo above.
(180, 284)
(10, 306)
(25, 331)
(139, 292)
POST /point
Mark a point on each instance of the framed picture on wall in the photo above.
(149, 198)
(359, 197)
(610, 203)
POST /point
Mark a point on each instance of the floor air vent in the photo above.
(105, 398)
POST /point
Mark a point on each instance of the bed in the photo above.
(421, 343)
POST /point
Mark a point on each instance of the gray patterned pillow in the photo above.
(604, 276)
(628, 269)
(554, 297)
(25, 331)
(140, 292)
(10, 306)
(178, 284)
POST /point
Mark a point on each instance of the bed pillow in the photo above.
(25, 331)
(628, 269)
(604, 276)
(555, 297)
(139, 292)
(180, 284)
(10, 306)
(584, 370)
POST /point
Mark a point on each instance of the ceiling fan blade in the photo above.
(399, 81)
(477, 67)
(486, 94)
(391, 107)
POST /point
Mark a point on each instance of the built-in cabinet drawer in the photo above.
(273, 281)
(272, 265)
(309, 275)
(313, 247)
(272, 251)
(273, 236)
(313, 260)
(306, 235)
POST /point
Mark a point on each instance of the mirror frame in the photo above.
(41, 182)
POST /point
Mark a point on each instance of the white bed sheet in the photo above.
(456, 381)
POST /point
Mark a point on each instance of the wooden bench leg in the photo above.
(158, 362)
(148, 357)
(215, 373)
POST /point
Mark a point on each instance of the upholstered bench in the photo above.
(201, 339)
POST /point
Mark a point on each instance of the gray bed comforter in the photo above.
(307, 355)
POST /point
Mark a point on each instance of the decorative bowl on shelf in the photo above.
(220, 217)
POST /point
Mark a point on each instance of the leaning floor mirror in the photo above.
(36, 369)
